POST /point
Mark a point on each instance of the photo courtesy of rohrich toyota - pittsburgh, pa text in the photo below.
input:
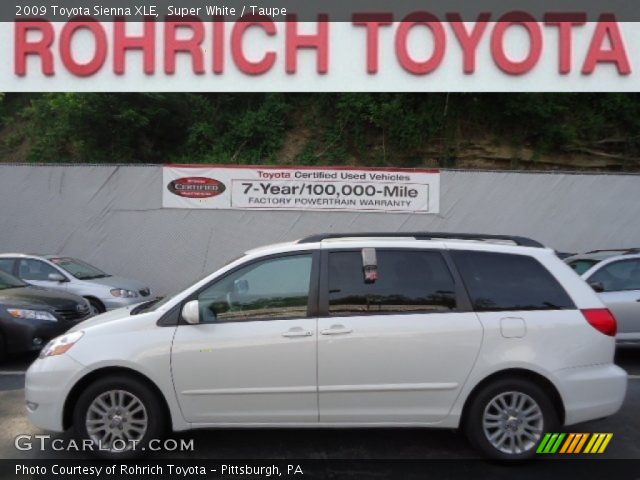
(304, 239)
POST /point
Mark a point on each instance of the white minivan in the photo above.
(491, 334)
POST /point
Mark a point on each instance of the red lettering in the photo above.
(372, 22)
(318, 41)
(41, 47)
(218, 45)
(402, 48)
(251, 67)
(123, 42)
(99, 55)
(507, 65)
(468, 40)
(565, 23)
(607, 28)
(191, 45)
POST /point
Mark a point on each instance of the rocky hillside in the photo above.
(599, 132)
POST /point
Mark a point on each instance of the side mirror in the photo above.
(597, 286)
(369, 265)
(241, 286)
(56, 277)
(191, 312)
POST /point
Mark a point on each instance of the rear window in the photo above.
(500, 281)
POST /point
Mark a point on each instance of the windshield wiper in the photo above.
(144, 306)
(93, 277)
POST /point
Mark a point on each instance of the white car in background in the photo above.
(501, 340)
(615, 275)
(56, 272)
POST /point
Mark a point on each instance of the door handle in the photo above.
(336, 330)
(297, 332)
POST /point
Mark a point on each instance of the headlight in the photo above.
(121, 292)
(31, 314)
(60, 345)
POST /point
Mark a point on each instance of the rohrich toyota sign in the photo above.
(419, 51)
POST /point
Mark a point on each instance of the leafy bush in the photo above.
(362, 128)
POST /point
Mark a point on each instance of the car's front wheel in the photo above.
(96, 307)
(120, 415)
(507, 419)
(3, 348)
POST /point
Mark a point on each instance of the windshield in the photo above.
(9, 281)
(79, 269)
(581, 266)
(158, 302)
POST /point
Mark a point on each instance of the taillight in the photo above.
(602, 320)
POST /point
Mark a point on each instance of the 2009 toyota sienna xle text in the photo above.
(493, 335)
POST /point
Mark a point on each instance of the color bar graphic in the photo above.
(574, 443)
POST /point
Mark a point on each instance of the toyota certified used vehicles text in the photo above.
(102, 291)
(615, 275)
(31, 316)
(503, 341)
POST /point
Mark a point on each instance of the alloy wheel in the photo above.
(116, 420)
(513, 422)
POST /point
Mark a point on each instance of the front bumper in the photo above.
(24, 335)
(47, 384)
(591, 392)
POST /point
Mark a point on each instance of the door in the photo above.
(397, 350)
(252, 359)
(621, 283)
(36, 272)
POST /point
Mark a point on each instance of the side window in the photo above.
(34, 270)
(6, 265)
(271, 289)
(581, 266)
(408, 281)
(618, 276)
(501, 282)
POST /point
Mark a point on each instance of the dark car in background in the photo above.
(30, 316)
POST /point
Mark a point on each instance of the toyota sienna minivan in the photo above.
(493, 335)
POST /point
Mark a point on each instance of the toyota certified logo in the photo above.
(196, 187)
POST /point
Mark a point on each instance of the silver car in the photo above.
(103, 291)
(616, 278)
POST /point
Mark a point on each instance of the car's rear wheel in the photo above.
(3, 348)
(96, 307)
(120, 415)
(507, 419)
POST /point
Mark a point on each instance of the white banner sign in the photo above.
(300, 188)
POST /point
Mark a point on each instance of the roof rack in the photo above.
(626, 251)
(521, 241)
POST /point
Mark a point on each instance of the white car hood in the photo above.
(113, 315)
(119, 282)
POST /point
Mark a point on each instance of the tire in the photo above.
(3, 348)
(487, 425)
(96, 307)
(96, 408)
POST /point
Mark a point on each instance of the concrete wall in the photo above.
(112, 217)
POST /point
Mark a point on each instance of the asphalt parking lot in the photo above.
(319, 443)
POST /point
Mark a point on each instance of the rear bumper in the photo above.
(591, 392)
(628, 340)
